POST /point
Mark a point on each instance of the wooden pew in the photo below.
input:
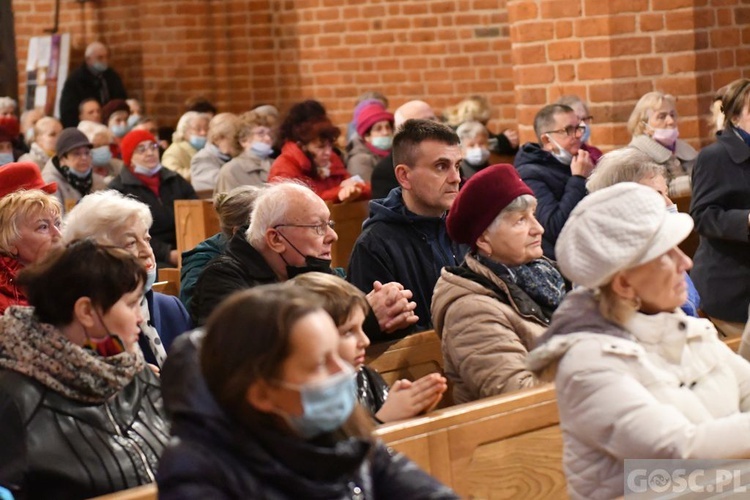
(145, 492)
(690, 244)
(507, 446)
(348, 218)
(195, 220)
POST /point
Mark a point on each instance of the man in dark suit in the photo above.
(93, 79)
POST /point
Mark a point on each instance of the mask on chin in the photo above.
(562, 155)
(312, 264)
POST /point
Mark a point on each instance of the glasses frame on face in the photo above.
(79, 153)
(320, 229)
(144, 148)
(570, 131)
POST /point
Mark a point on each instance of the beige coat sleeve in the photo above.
(486, 351)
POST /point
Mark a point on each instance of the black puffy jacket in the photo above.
(56, 448)
(213, 458)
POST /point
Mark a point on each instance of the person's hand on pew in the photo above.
(407, 399)
(392, 306)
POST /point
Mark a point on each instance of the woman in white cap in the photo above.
(635, 376)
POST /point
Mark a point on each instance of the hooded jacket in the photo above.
(486, 332)
(213, 457)
(557, 191)
(662, 387)
(397, 245)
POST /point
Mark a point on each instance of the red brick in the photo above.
(557, 51)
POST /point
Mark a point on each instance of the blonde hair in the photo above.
(647, 104)
(234, 208)
(473, 108)
(18, 206)
(613, 307)
(223, 125)
(250, 120)
(186, 120)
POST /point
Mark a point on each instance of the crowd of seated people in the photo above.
(559, 265)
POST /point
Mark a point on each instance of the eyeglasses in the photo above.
(81, 153)
(570, 131)
(262, 132)
(143, 148)
(320, 229)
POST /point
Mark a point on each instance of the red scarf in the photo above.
(382, 153)
(153, 182)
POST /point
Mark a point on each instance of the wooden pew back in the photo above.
(411, 357)
(348, 218)
(145, 492)
(195, 220)
(690, 244)
(507, 446)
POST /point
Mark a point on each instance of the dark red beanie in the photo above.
(131, 141)
(370, 115)
(112, 107)
(481, 199)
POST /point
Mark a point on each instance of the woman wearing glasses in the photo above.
(72, 168)
(251, 167)
(556, 169)
(653, 125)
(146, 181)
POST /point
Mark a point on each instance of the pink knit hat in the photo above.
(370, 115)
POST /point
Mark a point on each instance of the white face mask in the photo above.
(562, 154)
(476, 156)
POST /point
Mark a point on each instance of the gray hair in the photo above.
(470, 130)
(644, 108)
(8, 102)
(185, 122)
(519, 204)
(545, 118)
(623, 165)
(101, 215)
(90, 48)
(92, 129)
(271, 208)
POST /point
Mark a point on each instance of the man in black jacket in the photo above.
(290, 233)
(93, 79)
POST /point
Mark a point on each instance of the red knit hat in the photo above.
(481, 199)
(131, 141)
(370, 115)
(9, 129)
(23, 175)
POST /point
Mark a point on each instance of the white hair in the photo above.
(90, 48)
(519, 204)
(101, 215)
(272, 206)
(186, 120)
(8, 102)
(470, 130)
(92, 129)
(626, 164)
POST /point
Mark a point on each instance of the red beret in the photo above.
(481, 199)
(23, 175)
(131, 141)
(112, 107)
(370, 115)
(9, 128)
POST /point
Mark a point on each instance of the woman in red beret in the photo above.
(491, 310)
(146, 181)
(308, 139)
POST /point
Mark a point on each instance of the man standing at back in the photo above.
(556, 169)
(94, 79)
(405, 239)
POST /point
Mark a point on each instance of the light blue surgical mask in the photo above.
(476, 156)
(6, 158)
(261, 149)
(150, 279)
(197, 141)
(99, 67)
(119, 130)
(140, 169)
(672, 209)
(80, 175)
(326, 405)
(562, 154)
(383, 143)
(101, 156)
(586, 133)
(133, 121)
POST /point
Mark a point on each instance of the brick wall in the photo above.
(613, 52)
(244, 52)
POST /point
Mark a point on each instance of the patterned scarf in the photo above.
(541, 280)
(80, 184)
(40, 351)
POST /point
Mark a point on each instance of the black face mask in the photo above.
(312, 264)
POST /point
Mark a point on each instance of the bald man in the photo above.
(93, 79)
(384, 175)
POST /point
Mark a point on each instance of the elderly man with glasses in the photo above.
(290, 233)
(556, 169)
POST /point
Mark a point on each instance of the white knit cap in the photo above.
(614, 229)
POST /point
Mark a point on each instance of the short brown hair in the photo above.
(339, 297)
(735, 99)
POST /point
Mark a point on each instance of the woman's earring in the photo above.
(636, 303)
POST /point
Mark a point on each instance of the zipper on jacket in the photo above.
(139, 451)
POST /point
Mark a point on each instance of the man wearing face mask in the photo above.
(93, 79)
(72, 168)
(290, 233)
(556, 169)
